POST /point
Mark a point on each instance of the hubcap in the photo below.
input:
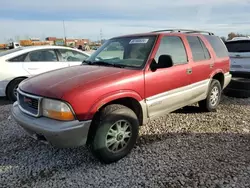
(118, 136)
(214, 97)
(15, 91)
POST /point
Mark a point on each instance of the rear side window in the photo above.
(238, 46)
(19, 58)
(173, 46)
(72, 55)
(198, 48)
(217, 45)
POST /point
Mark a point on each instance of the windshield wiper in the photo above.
(104, 63)
(87, 62)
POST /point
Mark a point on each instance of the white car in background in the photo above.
(239, 52)
(23, 62)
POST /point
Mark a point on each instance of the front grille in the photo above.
(29, 104)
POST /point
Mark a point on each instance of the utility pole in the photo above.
(64, 33)
(101, 35)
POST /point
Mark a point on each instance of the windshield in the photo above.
(3, 53)
(238, 46)
(124, 51)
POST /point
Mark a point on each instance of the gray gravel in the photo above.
(186, 148)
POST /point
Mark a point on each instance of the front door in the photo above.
(73, 57)
(168, 89)
(40, 61)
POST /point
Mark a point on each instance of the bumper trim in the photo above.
(240, 73)
(58, 133)
(227, 80)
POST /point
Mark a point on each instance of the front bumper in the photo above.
(240, 74)
(58, 133)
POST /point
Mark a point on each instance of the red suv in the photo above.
(127, 82)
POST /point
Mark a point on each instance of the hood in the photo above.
(55, 83)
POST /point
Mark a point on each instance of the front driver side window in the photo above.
(71, 55)
(173, 46)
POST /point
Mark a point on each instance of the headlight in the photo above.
(56, 110)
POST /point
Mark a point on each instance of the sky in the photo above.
(21, 19)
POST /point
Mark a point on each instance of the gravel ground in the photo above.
(186, 148)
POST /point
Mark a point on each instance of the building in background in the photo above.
(71, 42)
(59, 42)
(50, 39)
(54, 41)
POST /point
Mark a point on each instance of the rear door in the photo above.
(40, 61)
(72, 57)
(239, 52)
(208, 55)
(167, 89)
(202, 66)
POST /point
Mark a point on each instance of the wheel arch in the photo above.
(129, 99)
(8, 85)
(219, 75)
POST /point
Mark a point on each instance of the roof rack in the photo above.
(183, 30)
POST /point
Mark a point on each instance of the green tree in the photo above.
(232, 35)
(223, 39)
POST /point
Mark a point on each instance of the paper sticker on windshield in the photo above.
(138, 41)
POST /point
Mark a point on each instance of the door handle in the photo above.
(189, 71)
(211, 65)
(32, 68)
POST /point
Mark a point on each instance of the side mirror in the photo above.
(165, 61)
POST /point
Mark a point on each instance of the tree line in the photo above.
(231, 35)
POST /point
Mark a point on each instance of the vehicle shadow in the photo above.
(4, 101)
(189, 110)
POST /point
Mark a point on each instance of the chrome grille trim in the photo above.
(33, 97)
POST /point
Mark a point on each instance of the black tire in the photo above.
(103, 123)
(11, 89)
(206, 105)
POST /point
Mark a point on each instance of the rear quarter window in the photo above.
(19, 58)
(238, 46)
(218, 46)
(198, 48)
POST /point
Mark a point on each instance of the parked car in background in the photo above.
(239, 52)
(23, 62)
(127, 82)
(13, 45)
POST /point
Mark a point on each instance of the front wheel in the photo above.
(116, 133)
(12, 89)
(212, 101)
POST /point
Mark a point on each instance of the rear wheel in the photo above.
(116, 133)
(213, 98)
(12, 89)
